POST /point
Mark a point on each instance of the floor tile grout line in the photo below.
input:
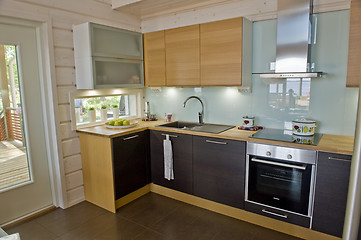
(74, 227)
(147, 227)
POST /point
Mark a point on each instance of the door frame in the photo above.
(49, 105)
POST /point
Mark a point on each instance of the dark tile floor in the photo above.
(151, 217)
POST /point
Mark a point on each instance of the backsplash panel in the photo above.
(328, 102)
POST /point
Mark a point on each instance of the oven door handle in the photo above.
(278, 164)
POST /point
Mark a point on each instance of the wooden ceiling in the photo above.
(151, 8)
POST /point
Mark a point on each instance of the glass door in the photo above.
(24, 172)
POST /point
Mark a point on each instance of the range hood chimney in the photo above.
(293, 37)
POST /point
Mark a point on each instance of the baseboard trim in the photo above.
(132, 196)
(27, 217)
(256, 219)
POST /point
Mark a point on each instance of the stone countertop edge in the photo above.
(328, 143)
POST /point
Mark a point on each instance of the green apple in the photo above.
(126, 122)
(118, 123)
(111, 122)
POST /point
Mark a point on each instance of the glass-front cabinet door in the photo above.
(115, 42)
(111, 72)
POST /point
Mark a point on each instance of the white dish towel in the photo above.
(168, 159)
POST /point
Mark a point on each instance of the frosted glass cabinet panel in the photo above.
(110, 73)
(107, 57)
(113, 42)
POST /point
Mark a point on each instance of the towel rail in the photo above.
(175, 136)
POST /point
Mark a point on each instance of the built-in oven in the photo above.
(280, 182)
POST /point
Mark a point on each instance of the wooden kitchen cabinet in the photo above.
(182, 161)
(130, 162)
(221, 53)
(154, 59)
(332, 179)
(182, 56)
(219, 170)
(114, 167)
(354, 47)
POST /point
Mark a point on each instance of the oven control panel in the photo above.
(282, 153)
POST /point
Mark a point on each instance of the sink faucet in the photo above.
(200, 114)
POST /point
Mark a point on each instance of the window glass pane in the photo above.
(92, 109)
(14, 164)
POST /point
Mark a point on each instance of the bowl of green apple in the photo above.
(121, 123)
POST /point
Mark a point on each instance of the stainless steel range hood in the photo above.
(293, 38)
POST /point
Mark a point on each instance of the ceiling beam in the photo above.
(121, 3)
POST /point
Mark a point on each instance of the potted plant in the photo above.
(104, 113)
(91, 114)
(115, 111)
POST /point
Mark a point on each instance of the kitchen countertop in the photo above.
(328, 143)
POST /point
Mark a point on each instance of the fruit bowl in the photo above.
(132, 124)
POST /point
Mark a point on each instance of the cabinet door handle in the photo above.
(275, 214)
(339, 159)
(128, 138)
(174, 136)
(215, 142)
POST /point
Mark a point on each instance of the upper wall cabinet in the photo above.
(154, 59)
(107, 57)
(211, 54)
(182, 56)
(354, 47)
(221, 52)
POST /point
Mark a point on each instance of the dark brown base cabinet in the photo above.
(219, 170)
(333, 171)
(182, 161)
(130, 162)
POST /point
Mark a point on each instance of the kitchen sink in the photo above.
(193, 126)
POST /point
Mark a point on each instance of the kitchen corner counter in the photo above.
(328, 143)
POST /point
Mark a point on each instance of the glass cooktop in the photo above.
(287, 136)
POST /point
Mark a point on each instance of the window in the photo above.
(94, 107)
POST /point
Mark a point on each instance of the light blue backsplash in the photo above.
(328, 102)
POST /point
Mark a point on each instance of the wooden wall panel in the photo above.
(63, 94)
(65, 76)
(71, 147)
(63, 38)
(64, 57)
(72, 163)
(74, 179)
(255, 10)
(66, 131)
(75, 195)
(64, 113)
(354, 46)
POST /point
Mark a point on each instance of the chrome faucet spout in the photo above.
(200, 114)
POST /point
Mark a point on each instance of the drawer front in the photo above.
(278, 214)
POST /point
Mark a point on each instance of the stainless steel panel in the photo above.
(291, 75)
(282, 153)
(292, 35)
